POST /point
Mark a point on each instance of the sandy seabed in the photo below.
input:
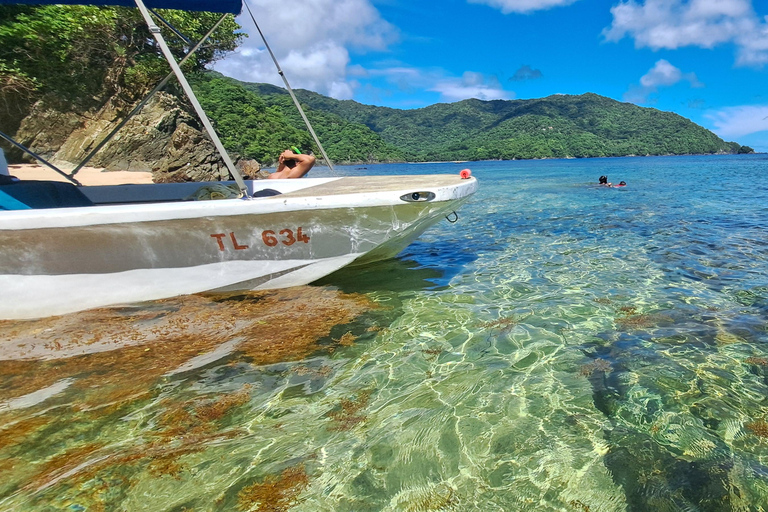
(87, 175)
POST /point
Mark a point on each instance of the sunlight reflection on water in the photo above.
(562, 347)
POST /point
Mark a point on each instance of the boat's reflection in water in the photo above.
(146, 397)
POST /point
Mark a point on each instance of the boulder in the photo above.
(251, 170)
(190, 156)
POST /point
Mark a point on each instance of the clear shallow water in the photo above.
(562, 347)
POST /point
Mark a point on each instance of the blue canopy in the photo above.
(222, 6)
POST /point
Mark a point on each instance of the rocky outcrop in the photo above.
(46, 129)
(163, 139)
(189, 156)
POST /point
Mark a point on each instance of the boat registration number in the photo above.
(269, 237)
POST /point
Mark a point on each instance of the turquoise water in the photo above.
(561, 347)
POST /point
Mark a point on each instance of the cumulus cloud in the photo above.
(311, 39)
(662, 74)
(525, 73)
(673, 24)
(733, 122)
(471, 85)
(522, 6)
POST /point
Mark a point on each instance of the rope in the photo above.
(290, 91)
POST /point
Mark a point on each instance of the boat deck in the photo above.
(369, 184)
(302, 188)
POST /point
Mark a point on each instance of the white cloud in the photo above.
(662, 74)
(673, 24)
(471, 85)
(665, 74)
(451, 88)
(522, 6)
(733, 122)
(311, 39)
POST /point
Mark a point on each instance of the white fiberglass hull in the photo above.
(56, 261)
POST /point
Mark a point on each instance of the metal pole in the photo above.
(290, 91)
(40, 159)
(155, 31)
(143, 102)
(171, 27)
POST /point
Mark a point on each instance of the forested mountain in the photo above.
(262, 126)
(560, 126)
(79, 56)
(67, 70)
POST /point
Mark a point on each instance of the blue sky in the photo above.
(706, 60)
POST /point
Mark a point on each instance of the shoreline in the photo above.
(89, 176)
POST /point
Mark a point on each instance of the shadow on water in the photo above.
(422, 266)
(395, 275)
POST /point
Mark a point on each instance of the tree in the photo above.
(81, 52)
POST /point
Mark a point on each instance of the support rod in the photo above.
(290, 91)
(171, 27)
(155, 31)
(146, 99)
(39, 158)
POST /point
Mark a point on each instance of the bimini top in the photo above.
(222, 6)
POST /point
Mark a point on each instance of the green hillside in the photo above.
(560, 126)
(83, 58)
(262, 126)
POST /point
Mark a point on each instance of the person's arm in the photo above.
(280, 164)
(302, 165)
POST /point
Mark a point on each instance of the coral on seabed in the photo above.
(274, 493)
(118, 360)
(759, 428)
(347, 416)
(504, 323)
(598, 365)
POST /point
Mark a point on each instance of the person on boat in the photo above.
(292, 165)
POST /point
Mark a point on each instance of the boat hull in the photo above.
(65, 260)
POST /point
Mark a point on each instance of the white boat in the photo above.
(74, 248)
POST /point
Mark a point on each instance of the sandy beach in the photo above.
(86, 175)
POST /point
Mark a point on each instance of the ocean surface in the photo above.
(561, 347)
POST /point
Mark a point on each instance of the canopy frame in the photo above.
(220, 6)
(175, 71)
(146, 98)
(37, 157)
(156, 33)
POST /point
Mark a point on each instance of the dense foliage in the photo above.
(81, 52)
(261, 129)
(244, 122)
(559, 126)
(88, 54)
